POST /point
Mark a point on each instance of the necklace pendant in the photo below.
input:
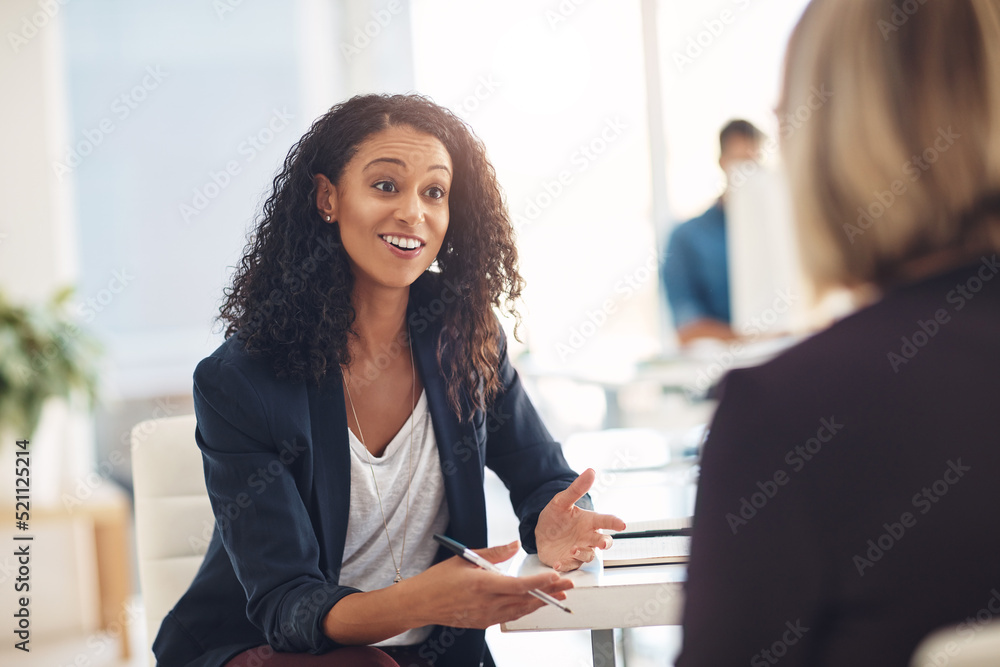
(398, 578)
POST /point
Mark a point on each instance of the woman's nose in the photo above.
(411, 209)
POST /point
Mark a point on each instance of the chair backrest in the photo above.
(971, 644)
(173, 517)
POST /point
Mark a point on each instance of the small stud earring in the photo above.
(328, 218)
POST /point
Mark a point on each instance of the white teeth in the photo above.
(400, 242)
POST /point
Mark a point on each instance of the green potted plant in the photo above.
(43, 354)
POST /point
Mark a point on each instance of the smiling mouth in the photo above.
(402, 242)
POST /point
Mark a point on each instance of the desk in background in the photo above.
(691, 373)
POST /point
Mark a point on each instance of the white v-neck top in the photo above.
(367, 563)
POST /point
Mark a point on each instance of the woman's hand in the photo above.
(457, 593)
(567, 535)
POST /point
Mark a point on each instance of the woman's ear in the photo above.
(326, 198)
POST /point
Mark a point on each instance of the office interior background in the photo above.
(140, 139)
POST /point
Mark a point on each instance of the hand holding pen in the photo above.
(474, 558)
(448, 593)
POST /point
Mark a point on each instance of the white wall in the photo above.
(37, 235)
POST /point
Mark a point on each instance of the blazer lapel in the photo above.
(463, 474)
(332, 472)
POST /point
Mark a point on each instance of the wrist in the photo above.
(371, 616)
(412, 602)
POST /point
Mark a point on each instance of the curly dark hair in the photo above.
(290, 298)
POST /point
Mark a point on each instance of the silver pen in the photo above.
(474, 558)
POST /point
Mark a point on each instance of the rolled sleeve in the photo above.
(260, 514)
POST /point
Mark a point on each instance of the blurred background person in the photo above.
(695, 269)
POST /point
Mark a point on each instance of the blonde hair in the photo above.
(891, 135)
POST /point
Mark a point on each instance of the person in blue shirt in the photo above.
(695, 270)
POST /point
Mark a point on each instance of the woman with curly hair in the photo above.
(363, 386)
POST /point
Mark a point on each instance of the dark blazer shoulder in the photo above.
(861, 344)
(233, 353)
(244, 387)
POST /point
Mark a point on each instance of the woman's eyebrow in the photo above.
(392, 160)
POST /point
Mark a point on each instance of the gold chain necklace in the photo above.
(409, 464)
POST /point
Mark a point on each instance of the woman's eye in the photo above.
(385, 186)
(435, 192)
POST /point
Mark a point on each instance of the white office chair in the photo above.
(973, 646)
(173, 517)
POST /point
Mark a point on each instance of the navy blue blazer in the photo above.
(277, 468)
